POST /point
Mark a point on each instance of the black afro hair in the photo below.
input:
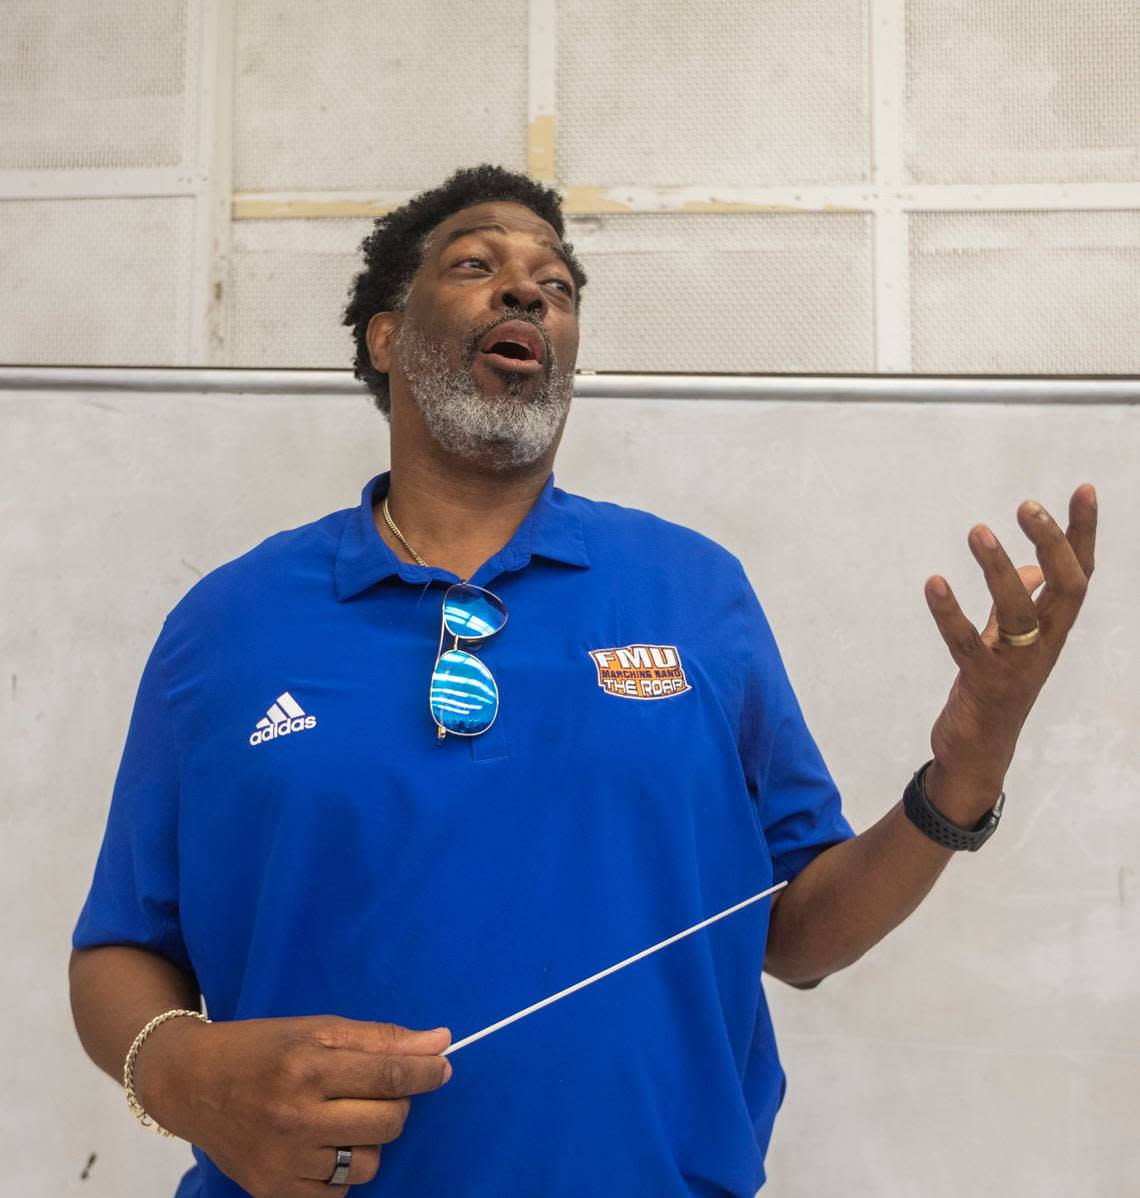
(393, 251)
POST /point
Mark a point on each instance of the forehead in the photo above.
(515, 219)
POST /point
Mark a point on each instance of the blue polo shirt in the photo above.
(286, 825)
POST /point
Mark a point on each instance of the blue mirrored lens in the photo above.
(464, 697)
(471, 613)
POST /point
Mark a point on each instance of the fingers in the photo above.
(1032, 579)
(391, 1037)
(357, 1096)
(1013, 604)
(1066, 563)
(351, 1074)
(961, 637)
(374, 1114)
(1081, 533)
(333, 1031)
(317, 1189)
(1065, 579)
(359, 1121)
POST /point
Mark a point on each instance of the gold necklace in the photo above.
(399, 535)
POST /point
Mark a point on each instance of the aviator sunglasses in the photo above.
(464, 698)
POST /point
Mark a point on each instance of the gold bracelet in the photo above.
(129, 1070)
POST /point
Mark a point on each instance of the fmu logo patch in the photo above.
(641, 671)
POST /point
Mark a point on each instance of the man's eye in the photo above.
(464, 261)
(569, 290)
(563, 283)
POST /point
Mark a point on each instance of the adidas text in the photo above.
(283, 729)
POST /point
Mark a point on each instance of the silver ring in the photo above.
(343, 1164)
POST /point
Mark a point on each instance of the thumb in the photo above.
(1031, 577)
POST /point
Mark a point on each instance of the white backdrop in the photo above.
(989, 1046)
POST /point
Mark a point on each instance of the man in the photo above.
(340, 804)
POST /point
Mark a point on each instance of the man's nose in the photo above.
(521, 293)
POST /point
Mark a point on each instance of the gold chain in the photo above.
(399, 535)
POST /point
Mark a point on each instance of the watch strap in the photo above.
(930, 821)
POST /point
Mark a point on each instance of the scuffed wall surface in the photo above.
(836, 186)
(1022, 91)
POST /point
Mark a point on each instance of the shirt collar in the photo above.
(551, 529)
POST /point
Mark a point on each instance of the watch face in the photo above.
(987, 826)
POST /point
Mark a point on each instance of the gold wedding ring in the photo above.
(1020, 639)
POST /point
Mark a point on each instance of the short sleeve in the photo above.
(799, 806)
(134, 892)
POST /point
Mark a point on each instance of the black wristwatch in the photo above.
(945, 832)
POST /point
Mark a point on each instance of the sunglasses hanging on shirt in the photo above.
(464, 698)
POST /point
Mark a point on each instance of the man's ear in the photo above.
(378, 336)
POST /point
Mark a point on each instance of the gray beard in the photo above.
(506, 431)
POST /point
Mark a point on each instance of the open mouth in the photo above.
(514, 346)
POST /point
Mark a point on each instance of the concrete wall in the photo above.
(989, 1046)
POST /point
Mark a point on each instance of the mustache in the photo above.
(475, 339)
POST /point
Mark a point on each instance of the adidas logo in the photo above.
(283, 717)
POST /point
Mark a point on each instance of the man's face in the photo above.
(486, 347)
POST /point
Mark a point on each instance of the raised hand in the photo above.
(974, 737)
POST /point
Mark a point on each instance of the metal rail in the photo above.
(827, 388)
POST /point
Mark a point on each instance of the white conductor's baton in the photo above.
(597, 977)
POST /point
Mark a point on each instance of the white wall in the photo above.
(989, 1046)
